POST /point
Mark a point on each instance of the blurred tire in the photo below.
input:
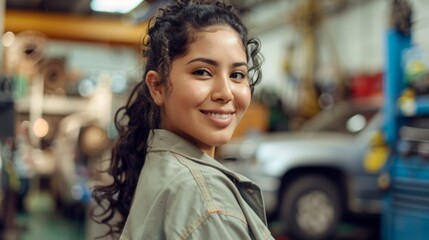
(311, 208)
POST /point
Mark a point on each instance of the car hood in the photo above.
(272, 153)
(243, 147)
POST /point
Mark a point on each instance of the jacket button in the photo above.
(250, 190)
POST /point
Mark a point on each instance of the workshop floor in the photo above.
(42, 222)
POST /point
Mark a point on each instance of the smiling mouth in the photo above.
(218, 115)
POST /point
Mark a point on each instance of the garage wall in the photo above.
(356, 35)
(87, 56)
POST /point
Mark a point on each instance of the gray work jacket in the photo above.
(183, 193)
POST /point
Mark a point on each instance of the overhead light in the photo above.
(114, 6)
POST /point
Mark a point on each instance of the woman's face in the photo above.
(209, 90)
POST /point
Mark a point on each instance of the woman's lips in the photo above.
(219, 118)
(219, 115)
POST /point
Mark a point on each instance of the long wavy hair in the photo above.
(170, 33)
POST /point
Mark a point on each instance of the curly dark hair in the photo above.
(169, 34)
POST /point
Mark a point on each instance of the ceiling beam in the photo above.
(71, 27)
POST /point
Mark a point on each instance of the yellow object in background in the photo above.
(407, 103)
(377, 155)
(415, 67)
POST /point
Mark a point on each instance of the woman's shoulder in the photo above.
(196, 187)
(213, 184)
(183, 175)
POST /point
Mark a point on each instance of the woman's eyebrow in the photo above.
(215, 63)
(205, 60)
(239, 64)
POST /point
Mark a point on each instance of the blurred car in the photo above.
(311, 178)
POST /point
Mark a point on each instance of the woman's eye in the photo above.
(238, 75)
(201, 72)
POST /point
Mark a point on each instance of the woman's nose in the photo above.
(222, 90)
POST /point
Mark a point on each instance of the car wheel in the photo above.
(311, 208)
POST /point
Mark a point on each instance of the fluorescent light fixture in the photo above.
(114, 6)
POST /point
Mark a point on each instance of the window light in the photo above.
(114, 6)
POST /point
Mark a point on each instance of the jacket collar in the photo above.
(164, 140)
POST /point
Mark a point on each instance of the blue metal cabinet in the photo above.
(405, 213)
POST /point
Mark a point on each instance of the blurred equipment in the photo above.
(306, 19)
(416, 71)
(53, 71)
(80, 145)
(401, 16)
(9, 179)
(7, 109)
(414, 141)
(24, 52)
(311, 86)
(378, 153)
(93, 140)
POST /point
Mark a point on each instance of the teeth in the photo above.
(219, 115)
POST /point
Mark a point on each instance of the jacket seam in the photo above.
(195, 225)
(234, 214)
(212, 207)
(199, 178)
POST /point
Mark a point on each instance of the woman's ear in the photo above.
(153, 81)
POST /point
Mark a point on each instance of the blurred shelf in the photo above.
(57, 105)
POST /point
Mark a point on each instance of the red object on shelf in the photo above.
(367, 85)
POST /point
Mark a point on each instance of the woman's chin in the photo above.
(221, 140)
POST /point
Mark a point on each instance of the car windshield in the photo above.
(345, 117)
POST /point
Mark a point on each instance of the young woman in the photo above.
(200, 72)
